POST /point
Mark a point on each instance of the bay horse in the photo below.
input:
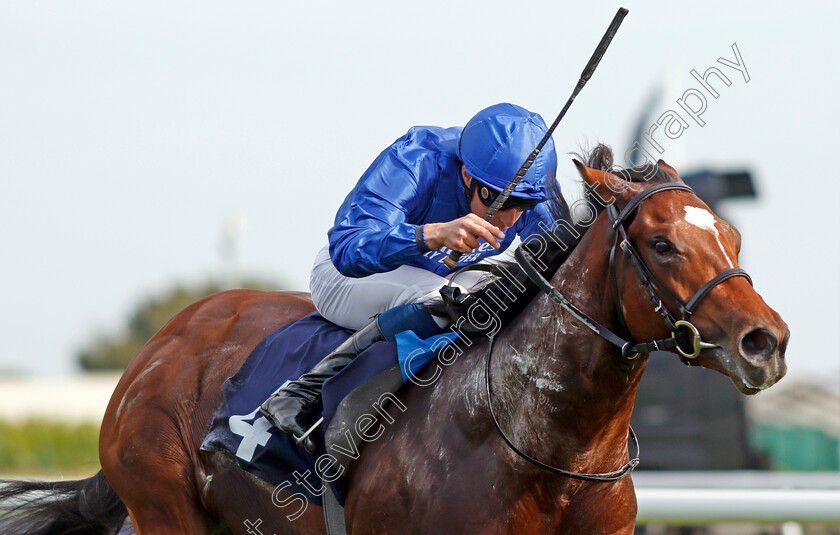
(562, 394)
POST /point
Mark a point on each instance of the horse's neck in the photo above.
(566, 390)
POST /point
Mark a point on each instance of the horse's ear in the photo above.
(595, 176)
(668, 169)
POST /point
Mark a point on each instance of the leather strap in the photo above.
(628, 349)
(701, 293)
(606, 477)
(333, 514)
(635, 201)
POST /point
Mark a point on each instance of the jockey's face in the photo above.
(503, 219)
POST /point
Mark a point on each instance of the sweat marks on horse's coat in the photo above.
(549, 382)
(526, 365)
(441, 467)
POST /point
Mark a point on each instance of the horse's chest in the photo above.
(599, 508)
(579, 508)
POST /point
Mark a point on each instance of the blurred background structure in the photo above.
(151, 153)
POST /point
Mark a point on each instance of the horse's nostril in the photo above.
(783, 346)
(759, 342)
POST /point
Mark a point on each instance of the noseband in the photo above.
(685, 337)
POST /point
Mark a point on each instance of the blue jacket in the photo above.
(417, 180)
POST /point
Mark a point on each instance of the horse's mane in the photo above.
(601, 158)
(552, 256)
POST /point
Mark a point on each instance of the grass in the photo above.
(40, 447)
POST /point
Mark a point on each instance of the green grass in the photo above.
(37, 447)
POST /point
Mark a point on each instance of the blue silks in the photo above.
(413, 352)
(267, 453)
(407, 317)
(417, 180)
(498, 140)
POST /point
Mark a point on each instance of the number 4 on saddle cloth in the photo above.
(352, 400)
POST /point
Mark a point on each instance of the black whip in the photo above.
(453, 257)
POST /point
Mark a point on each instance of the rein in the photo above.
(605, 477)
(685, 337)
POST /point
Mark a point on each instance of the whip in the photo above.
(453, 257)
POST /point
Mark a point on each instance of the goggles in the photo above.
(488, 196)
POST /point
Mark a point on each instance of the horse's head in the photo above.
(684, 245)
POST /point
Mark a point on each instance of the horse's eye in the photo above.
(663, 247)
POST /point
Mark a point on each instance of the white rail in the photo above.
(702, 498)
(699, 506)
(699, 498)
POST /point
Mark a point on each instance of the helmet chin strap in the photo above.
(468, 190)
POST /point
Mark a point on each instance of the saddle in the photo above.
(352, 401)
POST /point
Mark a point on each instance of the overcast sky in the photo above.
(133, 134)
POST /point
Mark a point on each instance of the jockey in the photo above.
(422, 197)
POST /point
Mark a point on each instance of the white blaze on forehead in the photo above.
(700, 217)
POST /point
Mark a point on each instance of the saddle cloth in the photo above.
(283, 355)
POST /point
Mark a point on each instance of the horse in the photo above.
(523, 429)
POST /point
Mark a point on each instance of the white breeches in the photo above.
(352, 302)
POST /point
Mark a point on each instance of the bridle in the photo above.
(685, 338)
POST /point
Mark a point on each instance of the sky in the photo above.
(136, 136)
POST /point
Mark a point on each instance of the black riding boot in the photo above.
(291, 409)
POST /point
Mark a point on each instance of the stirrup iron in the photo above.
(299, 440)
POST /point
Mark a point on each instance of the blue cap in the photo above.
(498, 140)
